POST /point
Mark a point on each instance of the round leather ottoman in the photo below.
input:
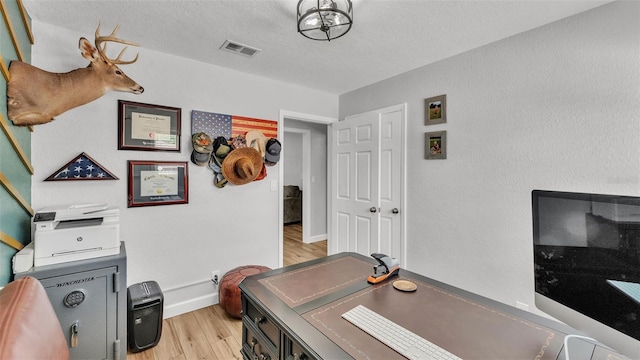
(229, 292)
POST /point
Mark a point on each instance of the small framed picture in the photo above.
(435, 145)
(148, 127)
(158, 183)
(435, 110)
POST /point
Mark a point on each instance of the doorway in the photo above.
(297, 181)
(297, 176)
(313, 228)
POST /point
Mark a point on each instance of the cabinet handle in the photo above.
(255, 356)
(259, 320)
(395, 210)
(373, 209)
(74, 334)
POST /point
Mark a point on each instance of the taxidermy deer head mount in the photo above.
(35, 96)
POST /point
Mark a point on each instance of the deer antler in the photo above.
(102, 49)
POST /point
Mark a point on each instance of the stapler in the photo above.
(387, 267)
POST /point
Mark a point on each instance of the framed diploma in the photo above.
(148, 127)
(158, 183)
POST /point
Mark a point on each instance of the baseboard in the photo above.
(189, 305)
(188, 297)
(316, 238)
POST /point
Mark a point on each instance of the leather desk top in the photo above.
(293, 287)
(308, 299)
(462, 326)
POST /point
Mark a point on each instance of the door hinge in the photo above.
(116, 282)
(116, 349)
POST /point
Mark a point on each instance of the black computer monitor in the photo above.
(586, 251)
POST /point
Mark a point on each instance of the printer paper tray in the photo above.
(75, 256)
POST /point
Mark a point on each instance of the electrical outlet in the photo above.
(215, 278)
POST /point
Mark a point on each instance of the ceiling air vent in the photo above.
(237, 48)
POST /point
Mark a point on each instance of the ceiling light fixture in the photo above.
(324, 19)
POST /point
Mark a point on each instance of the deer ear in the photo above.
(87, 50)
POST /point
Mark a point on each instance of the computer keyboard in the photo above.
(403, 341)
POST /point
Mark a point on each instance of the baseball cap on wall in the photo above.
(272, 153)
(256, 140)
(202, 148)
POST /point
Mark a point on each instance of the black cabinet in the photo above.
(262, 339)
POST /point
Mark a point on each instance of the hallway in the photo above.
(295, 251)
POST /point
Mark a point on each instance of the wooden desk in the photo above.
(294, 313)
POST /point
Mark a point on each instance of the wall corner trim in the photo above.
(10, 241)
(15, 193)
(16, 145)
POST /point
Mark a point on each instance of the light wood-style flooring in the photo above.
(295, 251)
(210, 333)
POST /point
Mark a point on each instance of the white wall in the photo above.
(292, 159)
(554, 108)
(176, 245)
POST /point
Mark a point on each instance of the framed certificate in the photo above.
(158, 183)
(148, 127)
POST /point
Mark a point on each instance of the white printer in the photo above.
(76, 232)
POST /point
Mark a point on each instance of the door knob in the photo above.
(395, 210)
(373, 209)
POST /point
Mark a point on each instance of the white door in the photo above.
(355, 151)
(368, 183)
(391, 183)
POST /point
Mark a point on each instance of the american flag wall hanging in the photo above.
(82, 167)
(230, 126)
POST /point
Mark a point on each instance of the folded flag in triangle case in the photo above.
(82, 167)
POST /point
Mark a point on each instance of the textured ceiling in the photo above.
(388, 37)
